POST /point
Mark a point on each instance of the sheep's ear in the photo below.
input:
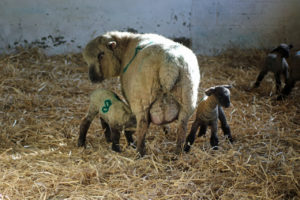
(210, 91)
(112, 45)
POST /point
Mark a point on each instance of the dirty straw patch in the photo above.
(43, 100)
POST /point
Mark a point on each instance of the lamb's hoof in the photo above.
(229, 138)
(280, 98)
(132, 144)
(108, 140)
(187, 147)
(116, 148)
(81, 143)
(215, 147)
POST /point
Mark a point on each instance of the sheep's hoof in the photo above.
(141, 152)
(116, 148)
(187, 147)
(178, 150)
(166, 129)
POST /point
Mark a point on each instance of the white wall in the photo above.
(221, 24)
(62, 26)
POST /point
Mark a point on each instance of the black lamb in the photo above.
(209, 111)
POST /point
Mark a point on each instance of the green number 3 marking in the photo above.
(107, 104)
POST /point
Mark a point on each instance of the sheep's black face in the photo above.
(223, 96)
(101, 60)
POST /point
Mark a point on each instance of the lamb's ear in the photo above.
(275, 50)
(112, 45)
(291, 46)
(210, 91)
(227, 86)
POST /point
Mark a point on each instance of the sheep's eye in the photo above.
(100, 56)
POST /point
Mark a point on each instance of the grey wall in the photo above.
(62, 26)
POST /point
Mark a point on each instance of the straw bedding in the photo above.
(43, 100)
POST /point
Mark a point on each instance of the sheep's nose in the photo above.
(93, 75)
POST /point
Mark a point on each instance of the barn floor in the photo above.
(43, 100)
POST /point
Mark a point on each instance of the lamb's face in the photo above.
(100, 58)
(223, 96)
(283, 50)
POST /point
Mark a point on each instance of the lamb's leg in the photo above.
(260, 78)
(106, 129)
(142, 128)
(286, 75)
(84, 127)
(278, 82)
(115, 136)
(191, 137)
(130, 141)
(287, 89)
(202, 131)
(214, 141)
(224, 125)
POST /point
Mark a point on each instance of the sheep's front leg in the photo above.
(84, 127)
(224, 125)
(191, 137)
(214, 141)
(260, 78)
(142, 128)
(106, 129)
(115, 136)
(278, 82)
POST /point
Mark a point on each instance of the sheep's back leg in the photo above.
(260, 78)
(107, 131)
(142, 128)
(181, 131)
(214, 141)
(191, 137)
(224, 125)
(84, 127)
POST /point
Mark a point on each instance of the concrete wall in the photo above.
(61, 26)
(221, 24)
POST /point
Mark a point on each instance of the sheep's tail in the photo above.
(169, 74)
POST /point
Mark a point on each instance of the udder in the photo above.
(164, 110)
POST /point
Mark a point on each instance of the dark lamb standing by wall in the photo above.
(209, 111)
(276, 62)
(115, 115)
(294, 75)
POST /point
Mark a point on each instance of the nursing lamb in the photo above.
(115, 115)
